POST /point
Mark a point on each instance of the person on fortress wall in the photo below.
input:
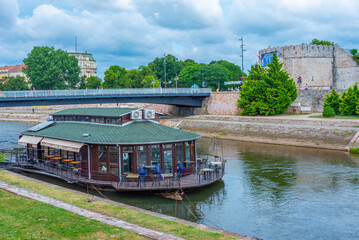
(306, 87)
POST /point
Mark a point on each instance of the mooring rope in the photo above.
(203, 216)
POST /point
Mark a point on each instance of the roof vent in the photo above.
(136, 114)
(86, 135)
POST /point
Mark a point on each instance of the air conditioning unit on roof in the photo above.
(136, 114)
(149, 114)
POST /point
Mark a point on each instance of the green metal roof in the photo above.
(105, 112)
(138, 132)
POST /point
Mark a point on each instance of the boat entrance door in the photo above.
(127, 157)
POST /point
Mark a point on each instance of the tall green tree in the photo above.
(48, 68)
(14, 84)
(214, 75)
(116, 77)
(349, 100)
(267, 91)
(332, 100)
(150, 81)
(235, 70)
(92, 82)
(173, 67)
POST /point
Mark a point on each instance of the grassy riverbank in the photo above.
(139, 218)
(22, 218)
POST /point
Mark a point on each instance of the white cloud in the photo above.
(131, 33)
(181, 14)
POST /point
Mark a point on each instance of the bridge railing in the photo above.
(101, 92)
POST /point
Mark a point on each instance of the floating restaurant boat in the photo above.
(119, 149)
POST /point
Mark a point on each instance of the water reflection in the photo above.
(269, 175)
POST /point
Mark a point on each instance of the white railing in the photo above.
(102, 92)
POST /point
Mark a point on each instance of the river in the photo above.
(269, 191)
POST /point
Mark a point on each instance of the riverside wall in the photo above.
(314, 133)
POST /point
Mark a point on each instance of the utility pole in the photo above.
(75, 44)
(242, 49)
(164, 68)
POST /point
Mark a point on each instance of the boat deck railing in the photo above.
(208, 169)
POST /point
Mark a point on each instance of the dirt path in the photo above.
(152, 234)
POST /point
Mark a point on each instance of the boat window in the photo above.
(113, 155)
(167, 145)
(188, 151)
(179, 152)
(61, 118)
(102, 120)
(118, 121)
(141, 156)
(86, 119)
(127, 149)
(155, 154)
(167, 156)
(92, 119)
(66, 118)
(97, 120)
(72, 118)
(63, 155)
(108, 120)
(102, 158)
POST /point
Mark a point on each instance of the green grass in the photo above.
(337, 117)
(22, 218)
(354, 150)
(145, 220)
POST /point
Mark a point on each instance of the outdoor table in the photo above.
(68, 160)
(216, 163)
(57, 158)
(76, 162)
(207, 172)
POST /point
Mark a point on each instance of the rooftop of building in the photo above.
(85, 54)
(104, 112)
(136, 132)
(13, 68)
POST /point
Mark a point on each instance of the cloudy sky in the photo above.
(131, 33)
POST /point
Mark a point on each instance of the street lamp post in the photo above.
(176, 79)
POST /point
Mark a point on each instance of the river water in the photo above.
(269, 191)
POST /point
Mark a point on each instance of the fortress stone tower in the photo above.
(321, 67)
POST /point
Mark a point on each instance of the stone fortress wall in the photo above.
(320, 66)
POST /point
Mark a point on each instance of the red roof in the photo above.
(6, 67)
(17, 68)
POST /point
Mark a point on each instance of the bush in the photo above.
(348, 101)
(332, 100)
(328, 112)
(354, 150)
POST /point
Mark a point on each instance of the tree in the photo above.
(320, 42)
(354, 52)
(349, 100)
(332, 100)
(213, 75)
(236, 72)
(48, 68)
(93, 82)
(116, 77)
(147, 82)
(267, 91)
(14, 84)
(173, 67)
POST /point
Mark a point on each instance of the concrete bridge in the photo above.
(181, 97)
